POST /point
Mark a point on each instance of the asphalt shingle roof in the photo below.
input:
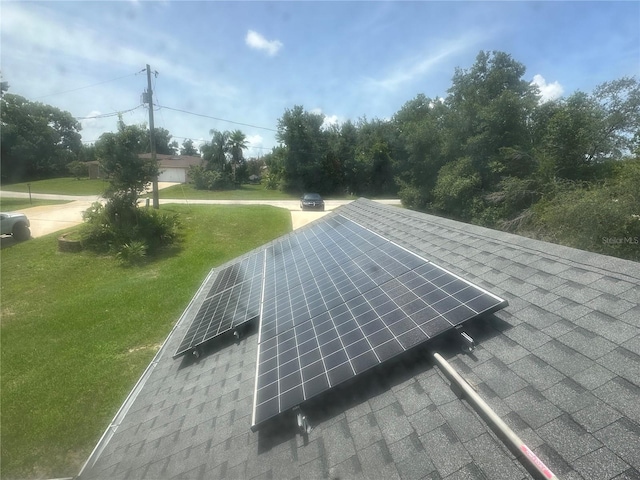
(561, 366)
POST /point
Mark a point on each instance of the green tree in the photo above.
(237, 144)
(4, 86)
(577, 135)
(455, 192)
(420, 131)
(78, 169)
(343, 143)
(490, 107)
(601, 217)
(118, 154)
(620, 130)
(120, 226)
(256, 166)
(37, 140)
(88, 153)
(164, 145)
(567, 138)
(215, 152)
(301, 132)
(375, 154)
(274, 162)
(224, 160)
(188, 148)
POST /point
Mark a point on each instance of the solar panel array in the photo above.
(334, 300)
(233, 299)
(338, 300)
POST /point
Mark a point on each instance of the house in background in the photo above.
(173, 168)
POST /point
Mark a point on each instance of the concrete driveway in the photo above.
(48, 219)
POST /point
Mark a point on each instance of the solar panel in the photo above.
(233, 299)
(339, 300)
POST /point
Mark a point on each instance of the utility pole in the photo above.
(152, 138)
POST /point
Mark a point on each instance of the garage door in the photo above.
(172, 175)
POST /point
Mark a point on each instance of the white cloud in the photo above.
(418, 66)
(36, 32)
(330, 120)
(254, 144)
(548, 91)
(90, 119)
(257, 41)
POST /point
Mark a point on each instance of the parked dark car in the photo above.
(311, 201)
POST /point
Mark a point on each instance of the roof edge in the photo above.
(611, 265)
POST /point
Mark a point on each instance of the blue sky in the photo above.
(249, 61)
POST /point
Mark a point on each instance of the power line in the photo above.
(216, 118)
(89, 86)
(206, 141)
(107, 115)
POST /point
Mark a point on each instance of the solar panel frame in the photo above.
(378, 314)
(233, 298)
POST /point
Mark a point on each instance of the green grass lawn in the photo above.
(61, 186)
(244, 192)
(78, 330)
(12, 204)
(71, 186)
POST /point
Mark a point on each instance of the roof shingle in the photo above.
(561, 366)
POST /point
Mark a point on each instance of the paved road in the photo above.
(48, 219)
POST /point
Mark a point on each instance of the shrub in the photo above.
(456, 189)
(111, 227)
(204, 179)
(412, 197)
(78, 169)
(132, 253)
(272, 181)
(157, 228)
(601, 218)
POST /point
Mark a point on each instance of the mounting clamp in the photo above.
(301, 421)
(240, 330)
(468, 344)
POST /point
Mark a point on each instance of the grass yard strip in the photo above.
(61, 186)
(244, 192)
(79, 329)
(13, 204)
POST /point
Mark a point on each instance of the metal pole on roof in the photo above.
(152, 138)
(514, 442)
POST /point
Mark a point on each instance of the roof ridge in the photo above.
(627, 270)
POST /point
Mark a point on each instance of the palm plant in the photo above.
(237, 143)
(217, 150)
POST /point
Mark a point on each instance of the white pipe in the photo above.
(516, 443)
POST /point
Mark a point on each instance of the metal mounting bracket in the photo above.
(301, 420)
(468, 344)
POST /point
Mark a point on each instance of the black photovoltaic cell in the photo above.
(234, 298)
(339, 300)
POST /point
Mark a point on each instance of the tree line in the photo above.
(491, 152)
(40, 141)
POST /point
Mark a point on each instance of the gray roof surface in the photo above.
(560, 364)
